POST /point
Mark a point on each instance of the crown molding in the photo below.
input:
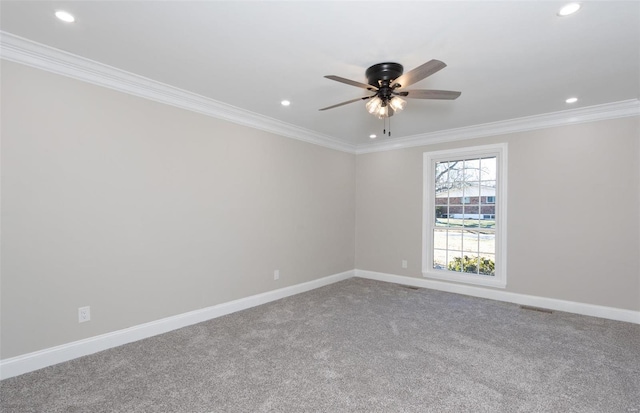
(20, 50)
(605, 111)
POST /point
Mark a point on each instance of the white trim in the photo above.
(500, 151)
(39, 359)
(591, 310)
(27, 52)
(447, 275)
(20, 50)
(605, 111)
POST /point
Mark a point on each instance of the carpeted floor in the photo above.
(356, 346)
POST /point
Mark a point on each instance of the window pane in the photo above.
(442, 222)
(441, 172)
(455, 222)
(471, 222)
(488, 169)
(472, 170)
(487, 212)
(487, 242)
(489, 188)
(488, 209)
(472, 209)
(440, 259)
(487, 264)
(440, 239)
(470, 263)
(487, 193)
(441, 212)
(470, 242)
(454, 261)
(455, 212)
(442, 198)
(455, 171)
(454, 240)
(488, 221)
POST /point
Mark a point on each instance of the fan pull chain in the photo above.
(384, 126)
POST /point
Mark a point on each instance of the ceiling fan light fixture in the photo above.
(397, 103)
(385, 80)
(373, 105)
(383, 112)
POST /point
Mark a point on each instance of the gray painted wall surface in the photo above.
(573, 208)
(143, 211)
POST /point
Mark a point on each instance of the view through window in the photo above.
(464, 238)
(464, 215)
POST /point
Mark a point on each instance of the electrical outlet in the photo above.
(276, 275)
(404, 263)
(84, 314)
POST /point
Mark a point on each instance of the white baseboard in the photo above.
(39, 359)
(592, 310)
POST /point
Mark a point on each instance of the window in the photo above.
(464, 231)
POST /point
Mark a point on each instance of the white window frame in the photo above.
(430, 159)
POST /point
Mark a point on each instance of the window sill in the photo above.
(487, 281)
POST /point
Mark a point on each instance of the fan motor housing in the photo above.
(383, 72)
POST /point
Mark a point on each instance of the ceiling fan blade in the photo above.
(347, 102)
(430, 94)
(351, 82)
(419, 73)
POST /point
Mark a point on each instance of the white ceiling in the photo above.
(510, 59)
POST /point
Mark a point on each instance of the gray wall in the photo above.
(144, 211)
(573, 211)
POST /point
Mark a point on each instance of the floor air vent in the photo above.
(542, 310)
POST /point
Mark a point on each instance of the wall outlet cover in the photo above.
(84, 314)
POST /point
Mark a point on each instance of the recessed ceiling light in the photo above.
(372, 136)
(65, 16)
(285, 103)
(571, 100)
(569, 9)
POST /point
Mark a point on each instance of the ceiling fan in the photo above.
(386, 81)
